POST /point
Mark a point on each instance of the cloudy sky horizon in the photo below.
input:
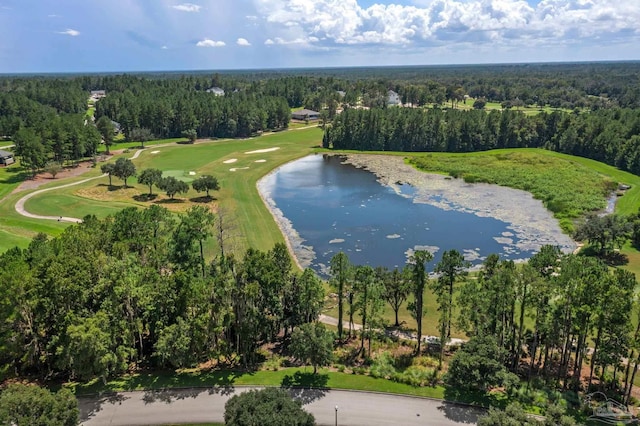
(161, 35)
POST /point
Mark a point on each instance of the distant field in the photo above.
(496, 106)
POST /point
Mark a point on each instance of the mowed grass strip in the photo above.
(229, 378)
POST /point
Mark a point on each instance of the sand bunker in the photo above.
(155, 152)
(262, 151)
(238, 168)
(192, 173)
(261, 161)
(233, 160)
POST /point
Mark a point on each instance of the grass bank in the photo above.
(568, 187)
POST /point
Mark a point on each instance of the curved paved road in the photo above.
(207, 405)
(20, 204)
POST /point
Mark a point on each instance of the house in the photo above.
(216, 91)
(305, 114)
(341, 93)
(393, 98)
(6, 158)
(98, 94)
(117, 127)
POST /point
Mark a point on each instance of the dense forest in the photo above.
(46, 116)
(611, 136)
(134, 290)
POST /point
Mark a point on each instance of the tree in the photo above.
(369, 289)
(150, 177)
(340, 273)
(190, 134)
(108, 169)
(267, 407)
(53, 168)
(512, 415)
(206, 183)
(312, 343)
(418, 264)
(479, 365)
(107, 131)
(397, 286)
(605, 233)
(35, 406)
(30, 149)
(173, 186)
(450, 269)
(124, 169)
(140, 134)
(479, 103)
(197, 224)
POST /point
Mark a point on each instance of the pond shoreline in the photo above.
(533, 225)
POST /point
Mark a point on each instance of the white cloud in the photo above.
(437, 22)
(187, 7)
(243, 42)
(70, 32)
(210, 43)
(269, 42)
(164, 48)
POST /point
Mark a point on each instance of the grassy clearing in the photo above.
(10, 178)
(567, 188)
(497, 106)
(5, 143)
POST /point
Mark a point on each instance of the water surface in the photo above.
(325, 207)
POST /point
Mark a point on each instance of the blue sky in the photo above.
(141, 35)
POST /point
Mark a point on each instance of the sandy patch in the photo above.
(44, 178)
(192, 173)
(238, 168)
(232, 160)
(262, 151)
(155, 152)
(260, 161)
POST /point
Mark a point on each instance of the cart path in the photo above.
(21, 202)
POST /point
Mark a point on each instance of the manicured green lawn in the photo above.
(325, 378)
(238, 194)
(5, 143)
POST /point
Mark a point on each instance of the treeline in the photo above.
(169, 108)
(609, 136)
(135, 289)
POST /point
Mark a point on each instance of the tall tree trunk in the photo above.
(633, 378)
(523, 305)
(340, 308)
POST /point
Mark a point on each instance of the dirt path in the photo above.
(21, 202)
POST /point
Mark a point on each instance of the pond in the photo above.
(325, 206)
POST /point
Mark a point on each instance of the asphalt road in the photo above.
(207, 405)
